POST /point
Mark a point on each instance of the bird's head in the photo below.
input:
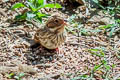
(56, 24)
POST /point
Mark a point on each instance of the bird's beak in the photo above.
(65, 21)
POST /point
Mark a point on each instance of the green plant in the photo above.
(104, 64)
(82, 77)
(31, 9)
(112, 7)
(77, 28)
(14, 76)
(104, 67)
(111, 28)
(98, 3)
(10, 76)
(19, 76)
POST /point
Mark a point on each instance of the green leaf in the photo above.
(17, 77)
(39, 19)
(21, 75)
(106, 26)
(70, 30)
(97, 52)
(30, 15)
(31, 1)
(102, 53)
(41, 15)
(84, 32)
(84, 76)
(17, 5)
(118, 20)
(107, 67)
(103, 61)
(113, 65)
(76, 78)
(93, 49)
(101, 6)
(21, 17)
(111, 32)
(50, 6)
(53, 5)
(58, 5)
(109, 7)
(96, 67)
(96, 1)
(32, 7)
(10, 75)
(40, 2)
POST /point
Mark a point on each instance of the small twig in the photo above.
(43, 65)
(3, 12)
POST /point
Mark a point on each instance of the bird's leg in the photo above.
(53, 50)
(57, 49)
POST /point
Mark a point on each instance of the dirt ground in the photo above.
(74, 58)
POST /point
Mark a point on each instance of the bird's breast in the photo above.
(52, 41)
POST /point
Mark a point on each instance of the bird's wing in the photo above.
(41, 34)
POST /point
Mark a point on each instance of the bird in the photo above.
(52, 34)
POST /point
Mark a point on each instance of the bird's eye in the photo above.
(56, 21)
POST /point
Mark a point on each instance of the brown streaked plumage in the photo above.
(53, 34)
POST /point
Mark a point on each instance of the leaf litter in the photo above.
(73, 60)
